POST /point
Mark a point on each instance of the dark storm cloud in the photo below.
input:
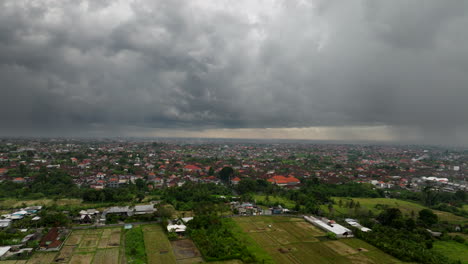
(84, 67)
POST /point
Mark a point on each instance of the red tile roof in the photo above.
(279, 179)
(192, 167)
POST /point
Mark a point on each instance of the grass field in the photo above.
(16, 203)
(453, 250)
(405, 206)
(286, 202)
(292, 240)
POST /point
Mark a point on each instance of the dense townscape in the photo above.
(200, 190)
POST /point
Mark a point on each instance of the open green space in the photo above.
(273, 200)
(16, 203)
(292, 240)
(405, 207)
(453, 250)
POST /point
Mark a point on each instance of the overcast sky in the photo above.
(348, 70)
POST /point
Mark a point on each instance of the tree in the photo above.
(226, 173)
(140, 197)
(140, 184)
(427, 217)
(391, 217)
(164, 212)
(461, 196)
(429, 196)
(211, 171)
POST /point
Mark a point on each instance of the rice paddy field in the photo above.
(273, 239)
(84, 246)
(107, 246)
(292, 240)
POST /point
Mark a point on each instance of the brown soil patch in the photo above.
(340, 248)
(184, 249)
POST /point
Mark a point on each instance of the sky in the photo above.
(393, 71)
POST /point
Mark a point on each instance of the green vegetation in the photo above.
(191, 194)
(215, 239)
(402, 238)
(453, 250)
(268, 200)
(259, 253)
(377, 205)
(135, 246)
(54, 183)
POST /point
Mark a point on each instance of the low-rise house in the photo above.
(144, 209)
(4, 251)
(51, 241)
(178, 226)
(355, 223)
(5, 223)
(120, 210)
(33, 209)
(19, 180)
(87, 216)
(284, 181)
(235, 181)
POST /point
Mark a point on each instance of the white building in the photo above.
(329, 226)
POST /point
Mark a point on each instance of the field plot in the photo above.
(74, 239)
(158, 247)
(370, 251)
(65, 254)
(186, 252)
(42, 257)
(89, 241)
(106, 256)
(82, 258)
(13, 262)
(292, 240)
(84, 246)
(110, 238)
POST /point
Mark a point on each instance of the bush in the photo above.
(459, 239)
(331, 235)
(172, 236)
(214, 237)
(135, 246)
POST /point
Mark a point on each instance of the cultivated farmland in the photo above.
(292, 240)
(84, 246)
(158, 247)
(106, 246)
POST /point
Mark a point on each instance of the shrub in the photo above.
(331, 235)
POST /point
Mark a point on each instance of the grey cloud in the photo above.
(86, 66)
